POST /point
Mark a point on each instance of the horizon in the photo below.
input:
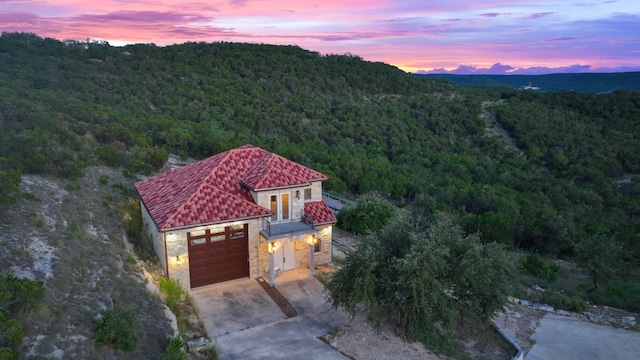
(483, 37)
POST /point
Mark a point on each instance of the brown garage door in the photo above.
(218, 255)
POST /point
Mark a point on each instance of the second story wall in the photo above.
(293, 198)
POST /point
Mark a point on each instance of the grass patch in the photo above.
(182, 305)
(174, 350)
(173, 294)
(570, 300)
(126, 190)
(624, 295)
(132, 219)
(71, 186)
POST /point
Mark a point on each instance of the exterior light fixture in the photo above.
(313, 240)
(273, 246)
(298, 194)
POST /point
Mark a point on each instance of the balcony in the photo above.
(278, 229)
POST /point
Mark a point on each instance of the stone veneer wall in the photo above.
(178, 250)
(302, 252)
(326, 236)
(156, 237)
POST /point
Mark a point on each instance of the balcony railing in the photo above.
(276, 229)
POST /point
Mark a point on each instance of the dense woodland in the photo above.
(594, 83)
(419, 142)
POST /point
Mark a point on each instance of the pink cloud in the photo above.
(412, 34)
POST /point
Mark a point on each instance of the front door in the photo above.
(285, 256)
(281, 207)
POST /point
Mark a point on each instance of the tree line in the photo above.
(369, 126)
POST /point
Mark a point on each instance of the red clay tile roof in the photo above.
(320, 212)
(210, 190)
(274, 171)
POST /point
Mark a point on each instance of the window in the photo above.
(218, 237)
(317, 246)
(307, 194)
(198, 241)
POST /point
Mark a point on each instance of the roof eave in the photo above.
(213, 223)
(277, 187)
(326, 223)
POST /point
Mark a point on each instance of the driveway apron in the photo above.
(245, 323)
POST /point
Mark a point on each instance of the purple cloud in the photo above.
(17, 17)
(499, 69)
(538, 15)
(560, 39)
(493, 15)
(146, 17)
(398, 20)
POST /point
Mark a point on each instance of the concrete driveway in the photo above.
(245, 323)
(564, 338)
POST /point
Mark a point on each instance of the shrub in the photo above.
(533, 265)
(16, 295)
(134, 228)
(19, 295)
(11, 335)
(568, 300)
(371, 214)
(110, 155)
(115, 328)
(620, 295)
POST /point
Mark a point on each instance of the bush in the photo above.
(533, 265)
(620, 295)
(568, 300)
(110, 155)
(16, 296)
(371, 214)
(115, 328)
(134, 228)
(19, 295)
(11, 335)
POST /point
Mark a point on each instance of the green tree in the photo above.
(601, 256)
(429, 280)
(16, 296)
(370, 214)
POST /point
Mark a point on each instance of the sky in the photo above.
(420, 36)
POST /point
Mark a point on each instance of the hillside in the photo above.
(533, 171)
(593, 83)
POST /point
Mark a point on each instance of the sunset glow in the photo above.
(480, 36)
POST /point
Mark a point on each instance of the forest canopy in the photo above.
(423, 143)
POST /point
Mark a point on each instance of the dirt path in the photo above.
(494, 128)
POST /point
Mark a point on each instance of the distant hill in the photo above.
(594, 83)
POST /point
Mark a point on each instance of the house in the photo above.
(244, 213)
